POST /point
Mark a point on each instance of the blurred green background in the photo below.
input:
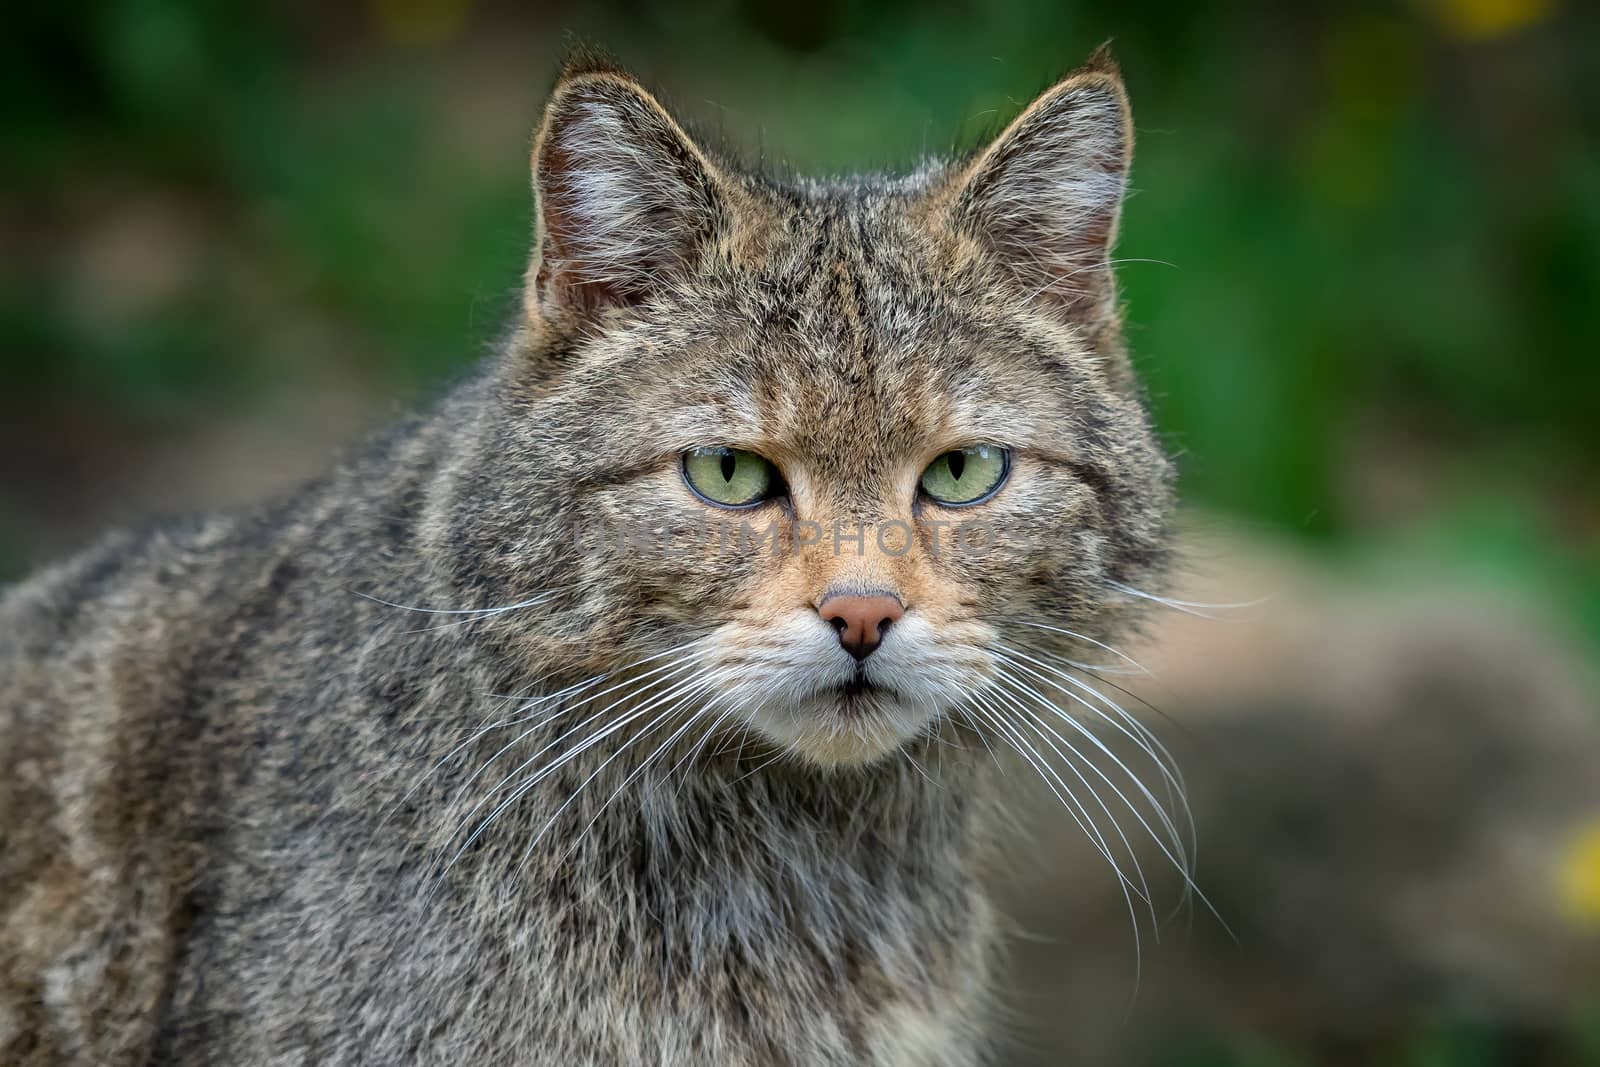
(1363, 249)
(1364, 241)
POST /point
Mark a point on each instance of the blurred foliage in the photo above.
(1447, 1043)
(1370, 238)
(1362, 259)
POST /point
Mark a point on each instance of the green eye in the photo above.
(967, 475)
(728, 477)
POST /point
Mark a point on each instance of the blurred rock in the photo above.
(1389, 786)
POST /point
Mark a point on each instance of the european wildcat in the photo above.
(589, 796)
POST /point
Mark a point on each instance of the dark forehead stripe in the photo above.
(817, 364)
(832, 287)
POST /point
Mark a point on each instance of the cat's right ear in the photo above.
(1046, 195)
(625, 198)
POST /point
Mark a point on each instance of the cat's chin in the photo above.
(844, 727)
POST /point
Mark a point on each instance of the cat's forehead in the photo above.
(851, 273)
(847, 350)
(857, 337)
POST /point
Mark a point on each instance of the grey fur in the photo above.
(239, 777)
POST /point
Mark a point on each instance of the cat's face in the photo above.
(839, 443)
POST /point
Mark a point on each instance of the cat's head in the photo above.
(826, 450)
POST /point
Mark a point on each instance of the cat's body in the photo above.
(288, 786)
(201, 802)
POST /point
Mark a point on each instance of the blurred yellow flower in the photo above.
(1480, 20)
(1580, 875)
(418, 23)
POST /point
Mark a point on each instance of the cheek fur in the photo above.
(1030, 537)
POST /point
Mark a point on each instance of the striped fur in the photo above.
(250, 759)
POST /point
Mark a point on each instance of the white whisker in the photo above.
(1039, 726)
(695, 687)
(1075, 808)
(534, 602)
(1135, 664)
(669, 669)
(673, 670)
(1057, 786)
(1188, 607)
(1156, 806)
(1134, 730)
(1180, 854)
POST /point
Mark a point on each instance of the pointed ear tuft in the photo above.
(583, 60)
(1101, 61)
(1046, 196)
(625, 198)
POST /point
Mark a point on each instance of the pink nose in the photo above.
(861, 620)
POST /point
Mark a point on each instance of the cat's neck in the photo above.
(681, 803)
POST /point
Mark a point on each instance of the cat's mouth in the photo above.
(859, 693)
(855, 720)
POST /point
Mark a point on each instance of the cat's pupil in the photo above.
(957, 463)
(728, 464)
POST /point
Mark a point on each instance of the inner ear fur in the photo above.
(626, 199)
(1044, 198)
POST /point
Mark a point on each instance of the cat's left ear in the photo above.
(626, 199)
(1046, 195)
